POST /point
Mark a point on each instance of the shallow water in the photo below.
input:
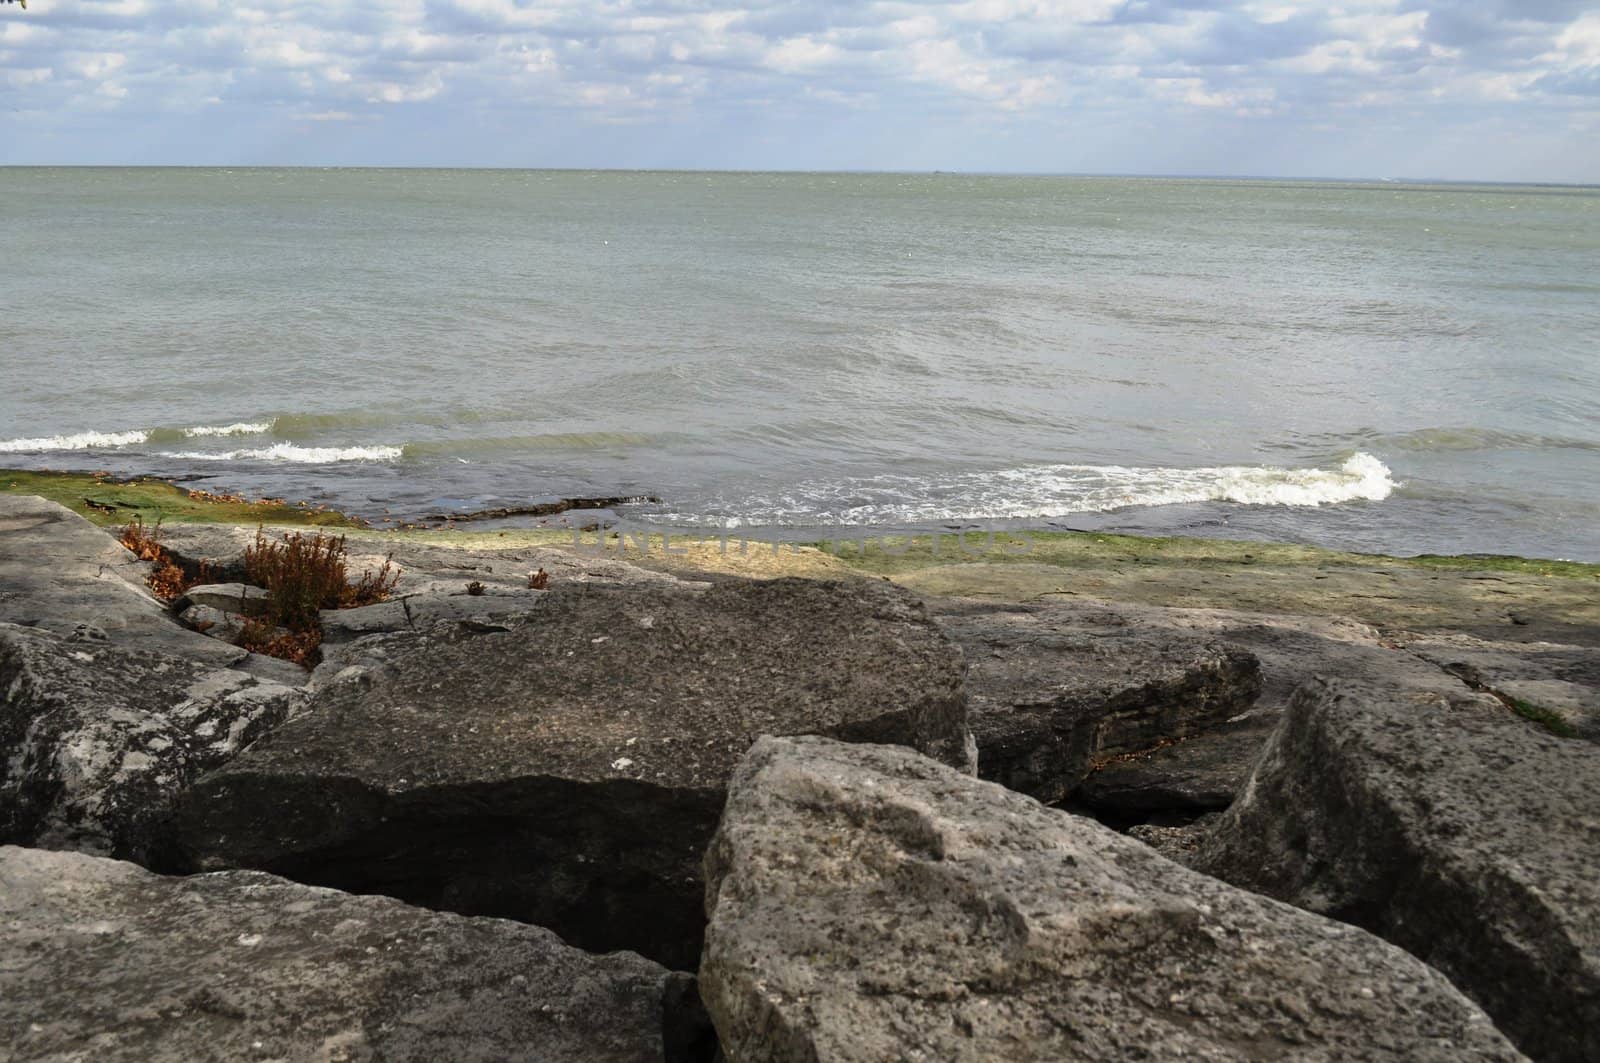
(1394, 367)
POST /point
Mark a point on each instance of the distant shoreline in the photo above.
(1456, 182)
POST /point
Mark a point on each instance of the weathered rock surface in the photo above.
(1053, 692)
(569, 771)
(1203, 769)
(1562, 680)
(60, 573)
(96, 742)
(241, 598)
(106, 961)
(412, 612)
(1440, 820)
(869, 904)
(214, 623)
(1201, 773)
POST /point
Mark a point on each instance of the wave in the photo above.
(207, 431)
(291, 453)
(1460, 440)
(75, 441)
(92, 440)
(1046, 491)
(546, 441)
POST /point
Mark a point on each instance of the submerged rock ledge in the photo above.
(585, 752)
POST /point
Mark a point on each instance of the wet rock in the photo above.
(1440, 820)
(1051, 695)
(570, 769)
(109, 962)
(96, 741)
(867, 903)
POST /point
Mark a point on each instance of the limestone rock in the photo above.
(1447, 824)
(96, 741)
(411, 612)
(60, 573)
(569, 769)
(241, 598)
(1051, 695)
(868, 904)
(1561, 680)
(109, 962)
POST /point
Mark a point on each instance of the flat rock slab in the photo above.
(241, 598)
(1447, 824)
(97, 742)
(1053, 694)
(1561, 681)
(869, 904)
(425, 567)
(412, 612)
(570, 769)
(60, 573)
(105, 961)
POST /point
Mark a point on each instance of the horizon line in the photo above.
(843, 171)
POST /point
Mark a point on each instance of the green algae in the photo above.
(110, 502)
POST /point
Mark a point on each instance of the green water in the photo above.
(809, 350)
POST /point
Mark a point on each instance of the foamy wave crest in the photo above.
(291, 453)
(104, 440)
(76, 441)
(1361, 478)
(1043, 491)
(242, 428)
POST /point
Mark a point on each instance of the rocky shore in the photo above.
(1113, 799)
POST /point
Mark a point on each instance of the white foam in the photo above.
(76, 441)
(291, 453)
(242, 428)
(1043, 491)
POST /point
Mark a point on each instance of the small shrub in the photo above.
(168, 580)
(305, 574)
(261, 635)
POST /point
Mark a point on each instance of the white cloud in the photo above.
(1067, 62)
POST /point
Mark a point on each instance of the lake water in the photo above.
(1394, 367)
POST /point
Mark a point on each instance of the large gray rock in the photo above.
(1053, 692)
(96, 742)
(869, 904)
(569, 769)
(60, 573)
(105, 961)
(1447, 824)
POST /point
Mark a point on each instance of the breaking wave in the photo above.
(1044, 491)
(291, 453)
(107, 440)
(76, 441)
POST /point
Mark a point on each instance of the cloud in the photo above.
(688, 68)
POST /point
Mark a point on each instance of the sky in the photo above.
(1455, 89)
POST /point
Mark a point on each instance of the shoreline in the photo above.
(1498, 596)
